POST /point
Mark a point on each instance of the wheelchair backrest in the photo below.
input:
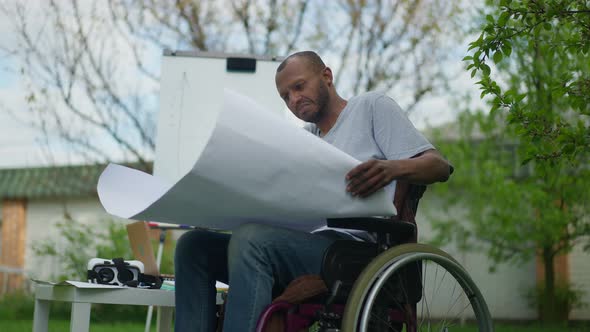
(406, 199)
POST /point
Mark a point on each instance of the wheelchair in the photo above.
(392, 285)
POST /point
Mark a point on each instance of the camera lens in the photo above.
(106, 275)
(125, 275)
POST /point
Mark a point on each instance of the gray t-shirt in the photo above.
(373, 126)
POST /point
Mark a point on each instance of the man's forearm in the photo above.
(427, 168)
(372, 175)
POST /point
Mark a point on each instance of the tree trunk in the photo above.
(549, 308)
(547, 303)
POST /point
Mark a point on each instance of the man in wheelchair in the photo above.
(259, 261)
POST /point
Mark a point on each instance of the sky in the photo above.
(19, 143)
(22, 146)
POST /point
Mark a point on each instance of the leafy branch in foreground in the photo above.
(552, 39)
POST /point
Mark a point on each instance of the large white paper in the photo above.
(254, 167)
(78, 284)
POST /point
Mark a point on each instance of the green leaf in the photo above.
(510, 93)
(507, 48)
(477, 55)
(494, 108)
(568, 148)
(526, 161)
(547, 26)
(497, 57)
(486, 70)
(503, 18)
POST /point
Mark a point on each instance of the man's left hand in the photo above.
(370, 176)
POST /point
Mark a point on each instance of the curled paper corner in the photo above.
(125, 192)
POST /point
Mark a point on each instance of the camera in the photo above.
(117, 272)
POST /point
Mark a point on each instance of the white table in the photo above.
(82, 299)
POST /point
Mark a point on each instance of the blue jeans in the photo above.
(254, 261)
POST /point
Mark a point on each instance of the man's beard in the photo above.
(322, 102)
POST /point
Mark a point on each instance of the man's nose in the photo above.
(294, 99)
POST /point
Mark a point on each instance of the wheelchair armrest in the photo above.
(399, 230)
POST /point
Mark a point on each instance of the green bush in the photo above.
(17, 305)
(567, 297)
(82, 242)
(79, 242)
(118, 313)
(20, 306)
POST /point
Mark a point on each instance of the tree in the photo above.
(522, 167)
(556, 36)
(91, 69)
(514, 212)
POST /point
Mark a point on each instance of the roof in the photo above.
(49, 182)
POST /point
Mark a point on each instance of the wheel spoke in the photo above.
(424, 296)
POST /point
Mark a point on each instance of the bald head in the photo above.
(307, 87)
(311, 58)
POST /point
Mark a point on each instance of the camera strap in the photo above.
(119, 265)
(152, 282)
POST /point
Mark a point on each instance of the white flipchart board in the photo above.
(193, 83)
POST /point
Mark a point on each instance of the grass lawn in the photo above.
(60, 326)
(534, 327)
(63, 326)
(521, 327)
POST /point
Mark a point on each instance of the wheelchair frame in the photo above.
(395, 250)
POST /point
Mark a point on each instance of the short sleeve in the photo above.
(394, 133)
(311, 128)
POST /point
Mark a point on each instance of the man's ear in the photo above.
(327, 75)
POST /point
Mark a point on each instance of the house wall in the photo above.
(502, 289)
(580, 277)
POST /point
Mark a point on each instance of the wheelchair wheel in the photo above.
(423, 286)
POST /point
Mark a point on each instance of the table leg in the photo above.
(41, 315)
(164, 319)
(80, 318)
